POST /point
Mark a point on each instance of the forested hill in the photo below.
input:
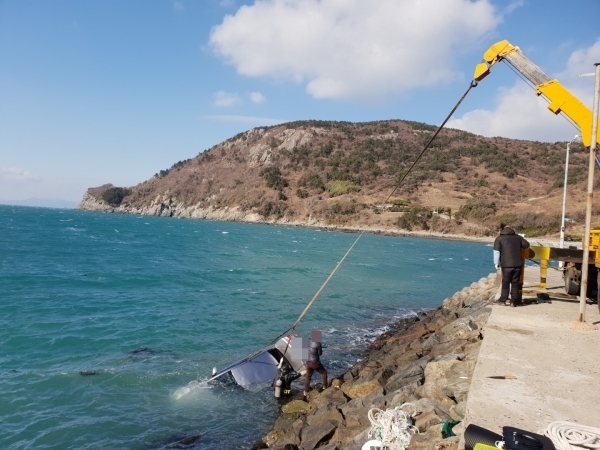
(341, 173)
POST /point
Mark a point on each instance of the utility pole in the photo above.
(564, 204)
(590, 197)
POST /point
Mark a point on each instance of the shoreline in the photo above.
(384, 231)
(426, 360)
(169, 207)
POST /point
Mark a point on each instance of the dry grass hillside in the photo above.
(342, 173)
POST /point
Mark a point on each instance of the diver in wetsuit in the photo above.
(287, 376)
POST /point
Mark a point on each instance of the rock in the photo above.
(286, 420)
(348, 377)
(358, 441)
(425, 406)
(425, 420)
(427, 440)
(448, 444)
(357, 417)
(330, 396)
(414, 332)
(295, 406)
(435, 393)
(457, 412)
(333, 446)
(290, 436)
(437, 370)
(401, 396)
(368, 399)
(400, 383)
(312, 436)
(360, 389)
(273, 436)
(444, 348)
(327, 413)
(415, 368)
(344, 434)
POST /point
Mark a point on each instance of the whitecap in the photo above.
(431, 259)
(225, 232)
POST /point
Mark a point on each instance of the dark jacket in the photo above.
(315, 351)
(509, 245)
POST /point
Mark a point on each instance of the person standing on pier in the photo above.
(507, 257)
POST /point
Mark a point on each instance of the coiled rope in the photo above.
(572, 436)
(391, 429)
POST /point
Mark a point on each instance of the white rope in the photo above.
(572, 436)
(393, 428)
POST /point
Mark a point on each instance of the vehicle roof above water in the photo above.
(262, 366)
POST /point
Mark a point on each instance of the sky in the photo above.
(113, 92)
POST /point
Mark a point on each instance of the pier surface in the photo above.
(537, 363)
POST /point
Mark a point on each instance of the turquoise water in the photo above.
(151, 304)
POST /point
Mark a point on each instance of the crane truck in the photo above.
(560, 100)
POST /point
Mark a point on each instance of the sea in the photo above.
(110, 325)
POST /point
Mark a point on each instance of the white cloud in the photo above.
(245, 119)
(178, 6)
(518, 113)
(17, 174)
(353, 49)
(227, 3)
(257, 97)
(581, 62)
(226, 99)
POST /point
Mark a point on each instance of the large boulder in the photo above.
(328, 413)
(313, 435)
(360, 389)
(433, 392)
(295, 406)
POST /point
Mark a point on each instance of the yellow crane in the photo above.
(560, 100)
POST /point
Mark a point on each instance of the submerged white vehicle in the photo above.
(261, 367)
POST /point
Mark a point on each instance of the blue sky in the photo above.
(112, 91)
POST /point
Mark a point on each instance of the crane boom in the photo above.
(560, 99)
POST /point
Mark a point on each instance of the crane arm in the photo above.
(560, 99)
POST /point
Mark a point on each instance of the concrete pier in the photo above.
(537, 364)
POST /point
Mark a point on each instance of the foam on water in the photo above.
(191, 390)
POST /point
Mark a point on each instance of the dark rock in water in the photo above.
(183, 442)
(88, 373)
(142, 351)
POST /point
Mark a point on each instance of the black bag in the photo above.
(516, 439)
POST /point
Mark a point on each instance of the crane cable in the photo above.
(472, 84)
(307, 307)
